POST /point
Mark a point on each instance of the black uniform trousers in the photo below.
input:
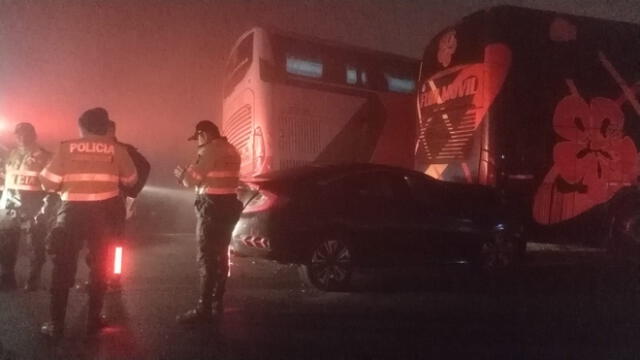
(217, 215)
(83, 222)
(35, 231)
(119, 218)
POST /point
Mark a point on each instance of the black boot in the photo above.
(201, 314)
(54, 329)
(95, 321)
(221, 282)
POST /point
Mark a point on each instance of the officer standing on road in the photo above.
(24, 209)
(87, 172)
(215, 175)
(128, 194)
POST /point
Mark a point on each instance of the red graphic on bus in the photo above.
(453, 104)
(593, 162)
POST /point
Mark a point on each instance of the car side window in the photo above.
(374, 185)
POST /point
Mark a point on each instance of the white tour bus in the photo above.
(291, 100)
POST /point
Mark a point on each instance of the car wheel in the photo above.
(329, 265)
(498, 253)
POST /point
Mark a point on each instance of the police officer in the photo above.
(87, 172)
(215, 178)
(128, 194)
(22, 207)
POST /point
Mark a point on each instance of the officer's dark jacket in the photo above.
(143, 169)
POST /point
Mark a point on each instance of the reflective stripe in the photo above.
(222, 174)
(55, 178)
(216, 191)
(22, 172)
(91, 177)
(23, 187)
(130, 180)
(66, 196)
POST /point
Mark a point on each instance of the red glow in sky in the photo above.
(157, 66)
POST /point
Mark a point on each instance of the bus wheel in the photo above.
(329, 264)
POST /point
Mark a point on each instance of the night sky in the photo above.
(157, 65)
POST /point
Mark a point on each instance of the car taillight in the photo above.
(261, 201)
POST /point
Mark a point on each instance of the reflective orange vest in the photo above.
(89, 169)
(216, 172)
(20, 173)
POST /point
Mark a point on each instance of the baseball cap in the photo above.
(24, 128)
(207, 127)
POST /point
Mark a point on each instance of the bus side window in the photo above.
(298, 65)
(351, 75)
(400, 84)
(356, 76)
(364, 80)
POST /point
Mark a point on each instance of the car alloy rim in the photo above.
(331, 262)
(498, 253)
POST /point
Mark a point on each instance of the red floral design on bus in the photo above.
(591, 164)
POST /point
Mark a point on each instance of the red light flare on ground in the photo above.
(117, 261)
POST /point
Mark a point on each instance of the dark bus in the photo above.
(545, 107)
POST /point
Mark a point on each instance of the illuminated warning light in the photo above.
(117, 261)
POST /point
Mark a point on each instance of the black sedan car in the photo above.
(331, 218)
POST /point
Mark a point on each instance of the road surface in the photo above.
(565, 303)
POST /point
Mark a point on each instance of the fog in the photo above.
(157, 66)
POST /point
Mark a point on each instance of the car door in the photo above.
(372, 205)
(438, 222)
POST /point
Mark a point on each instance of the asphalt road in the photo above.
(565, 303)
